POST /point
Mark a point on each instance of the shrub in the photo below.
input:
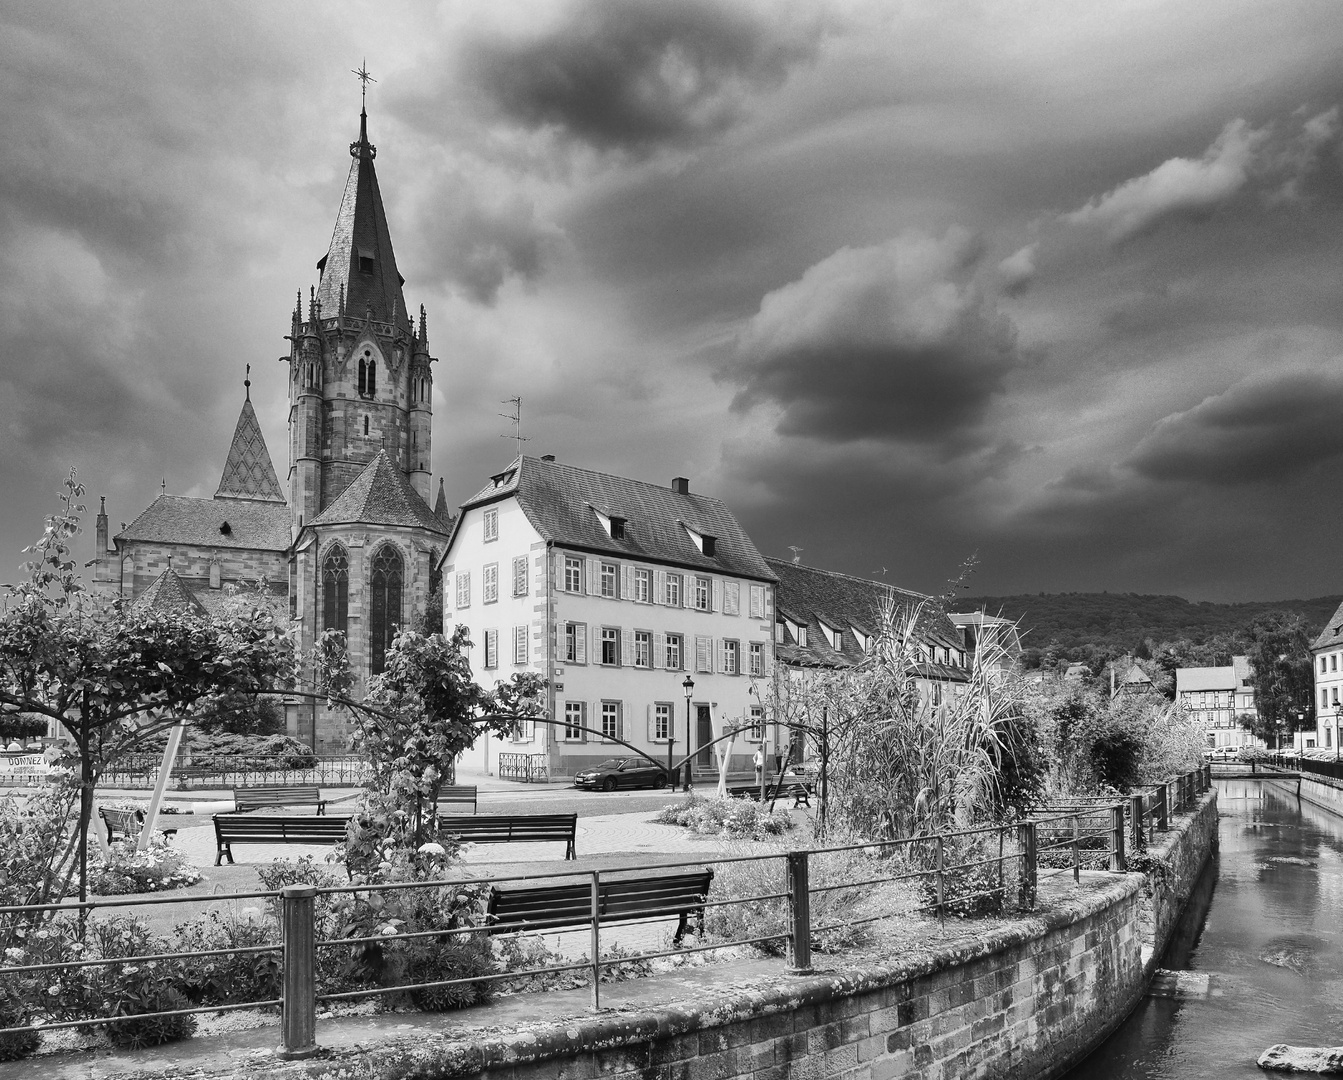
(143, 996)
(17, 1044)
(156, 869)
(742, 819)
(236, 976)
(135, 987)
(981, 888)
(221, 750)
(459, 957)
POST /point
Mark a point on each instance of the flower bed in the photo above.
(743, 819)
(156, 869)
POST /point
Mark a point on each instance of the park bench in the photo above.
(799, 792)
(262, 795)
(553, 907)
(128, 822)
(233, 829)
(513, 828)
(462, 794)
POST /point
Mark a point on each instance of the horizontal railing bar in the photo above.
(55, 1024)
(150, 958)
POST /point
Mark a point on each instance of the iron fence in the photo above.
(524, 768)
(140, 771)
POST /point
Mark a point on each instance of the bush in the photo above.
(978, 889)
(17, 1044)
(233, 977)
(741, 819)
(156, 869)
(222, 750)
(458, 957)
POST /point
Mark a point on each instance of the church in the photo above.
(352, 543)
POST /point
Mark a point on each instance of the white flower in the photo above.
(387, 931)
(14, 954)
(54, 990)
(432, 849)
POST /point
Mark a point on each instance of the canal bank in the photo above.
(1025, 1001)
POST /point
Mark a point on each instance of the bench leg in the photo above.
(225, 850)
(569, 852)
(680, 931)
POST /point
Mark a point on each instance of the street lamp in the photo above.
(1338, 726)
(689, 687)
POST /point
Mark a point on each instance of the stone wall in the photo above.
(1322, 791)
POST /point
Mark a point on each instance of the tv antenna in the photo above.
(516, 418)
(797, 552)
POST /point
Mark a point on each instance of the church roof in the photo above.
(168, 593)
(227, 523)
(360, 259)
(248, 472)
(381, 495)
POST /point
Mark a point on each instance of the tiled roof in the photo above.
(562, 501)
(1244, 670)
(1332, 634)
(361, 230)
(1205, 678)
(1135, 676)
(445, 516)
(808, 596)
(228, 523)
(248, 472)
(380, 495)
(168, 593)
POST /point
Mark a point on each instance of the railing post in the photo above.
(1117, 862)
(1026, 838)
(799, 909)
(1161, 822)
(596, 944)
(298, 994)
(940, 881)
(1077, 850)
(1135, 810)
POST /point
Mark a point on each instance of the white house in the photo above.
(1220, 698)
(616, 591)
(1327, 651)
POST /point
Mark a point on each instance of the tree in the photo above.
(113, 676)
(1282, 675)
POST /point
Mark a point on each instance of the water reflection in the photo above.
(1266, 937)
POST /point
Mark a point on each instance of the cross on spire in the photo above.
(247, 383)
(364, 79)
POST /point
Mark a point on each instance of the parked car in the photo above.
(621, 772)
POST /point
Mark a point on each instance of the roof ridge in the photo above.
(851, 577)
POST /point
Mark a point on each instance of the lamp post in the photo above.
(689, 687)
(1338, 727)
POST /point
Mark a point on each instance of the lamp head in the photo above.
(688, 686)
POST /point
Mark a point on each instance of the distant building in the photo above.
(1220, 698)
(976, 626)
(1133, 681)
(1326, 651)
(1077, 672)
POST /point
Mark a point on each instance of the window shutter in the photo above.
(687, 590)
(769, 602)
(716, 597)
(626, 582)
(627, 648)
(596, 644)
(757, 602)
(722, 656)
(659, 650)
(731, 598)
(580, 643)
(620, 720)
(659, 586)
(649, 724)
(703, 654)
(594, 578)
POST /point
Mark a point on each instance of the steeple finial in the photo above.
(363, 148)
(298, 306)
(247, 383)
(424, 326)
(312, 305)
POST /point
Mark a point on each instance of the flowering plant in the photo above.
(156, 869)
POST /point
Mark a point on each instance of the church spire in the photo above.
(248, 472)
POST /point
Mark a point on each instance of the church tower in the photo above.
(360, 381)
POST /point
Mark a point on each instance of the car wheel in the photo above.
(609, 784)
(660, 781)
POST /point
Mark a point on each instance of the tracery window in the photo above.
(335, 589)
(385, 585)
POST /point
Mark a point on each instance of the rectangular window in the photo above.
(674, 651)
(575, 643)
(520, 576)
(1324, 698)
(757, 732)
(702, 593)
(643, 648)
(610, 719)
(704, 654)
(608, 579)
(491, 525)
(757, 658)
(757, 601)
(662, 721)
(731, 598)
(575, 719)
(1323, 662)
(610, 645)
(464, 589)
(489, 583)
(573, 574)
(643, 586)
(491, 648)
(1333, 695)
(731, 657)
(1333, 662)
(672, 597)
(519, 644)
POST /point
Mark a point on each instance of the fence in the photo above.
(140, 770)
(525, 768)
(1330, 767)
(783, 902)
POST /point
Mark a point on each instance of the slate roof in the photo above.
(168, 593)
(445, 515)
(248, 472)
(561, 502)
(361, 230)
(381, 495)
(809, 596)
(175, 519)
(1204, 678)
(1332, 634)
(1243, 669)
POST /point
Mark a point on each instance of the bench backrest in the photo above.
(459, 794)
(285, 830)
(129, 822)
(277, 795)
(509, 828)
(545, 907)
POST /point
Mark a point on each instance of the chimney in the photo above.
(680, 485)
(547, 457)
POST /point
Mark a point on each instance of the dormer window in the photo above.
(832, 635)
(703, 541)
(365, 262)
(226, 529)
(617, 527)
(864, 640)
(503, 478)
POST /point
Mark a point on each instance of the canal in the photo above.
(1258, 959)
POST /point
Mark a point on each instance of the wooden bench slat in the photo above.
(513, 828)
(258, 795)
(233, 829)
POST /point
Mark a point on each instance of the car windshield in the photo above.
(611, 763)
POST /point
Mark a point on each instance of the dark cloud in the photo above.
(888, 342)
(1266, 427)
(641, 74)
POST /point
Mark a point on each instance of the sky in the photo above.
(1053, 286)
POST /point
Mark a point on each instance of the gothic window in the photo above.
(366, 425)
(368, 374)
(363, 376)
(385, 583)
(372, 377)
(335, 589)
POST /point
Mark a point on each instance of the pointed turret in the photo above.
(441, 510)
(360, 258)
(248, 472)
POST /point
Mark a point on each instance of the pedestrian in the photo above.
(759, 763)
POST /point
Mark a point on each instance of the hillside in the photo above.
(1119, 622)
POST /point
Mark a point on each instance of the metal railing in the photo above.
(793, 899)
(140, 770)
(1330, 767)
(525, 768)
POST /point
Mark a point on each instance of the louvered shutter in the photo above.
(687, 590)
(722, 656)
(731, 598)
(769, 601)
(648, 727)
(659, 586)
(596, 644)
(627, 582)
(594, 578)
(659, 650)
(716, 599)
(620, 720)
(580, 643)
(627, 648)
(757, 601)
(703, 653)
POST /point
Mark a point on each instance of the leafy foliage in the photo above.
(156, 869)
(1283, 674)
(742, 819)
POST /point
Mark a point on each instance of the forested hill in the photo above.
(1119, 622)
